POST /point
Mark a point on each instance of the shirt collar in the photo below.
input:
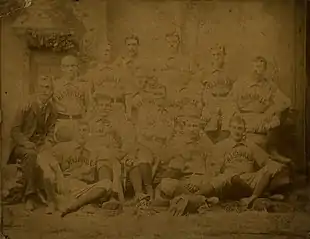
(255, 82)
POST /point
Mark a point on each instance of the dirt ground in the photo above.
(81, 225)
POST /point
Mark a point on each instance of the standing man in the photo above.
(130, 72)
(153, 107)
(33, 133)
(71, 98)
(103, 77)
(108, 139)
(175, 71)
(217, 104)
(260, 102)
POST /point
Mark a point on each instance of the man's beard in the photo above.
(70, 76)
(43, 99)
(133, 53)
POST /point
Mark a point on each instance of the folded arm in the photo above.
(16, 132)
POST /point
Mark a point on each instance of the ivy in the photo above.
(59, 42)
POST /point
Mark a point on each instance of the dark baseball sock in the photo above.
(91, 196)
(206, 190)
(50, 191)
(146, 173)
(136, 180)
(262, 184)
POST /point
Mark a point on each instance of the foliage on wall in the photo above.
(58, 42)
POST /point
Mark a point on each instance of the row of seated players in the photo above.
(98, 167)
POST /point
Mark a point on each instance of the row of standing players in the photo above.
(145, 119)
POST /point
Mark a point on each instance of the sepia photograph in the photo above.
(154, 119)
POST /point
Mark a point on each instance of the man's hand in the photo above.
(128, 161)
(178, 206)
(46, 147)
(281, 159)
(61, 186)
(192, 188)
(137, 101)
(29, 145)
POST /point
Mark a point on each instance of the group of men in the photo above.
(153, 129)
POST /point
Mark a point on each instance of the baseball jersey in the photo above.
(258, 97)
(152, 113)
(103, 78)
(103, 133)
(128, 73)
(256, 100)
(138, 154)
(77, 161)
(218, 106)
(174, 75)
(235, 158)
(189, 154)
(70, 97)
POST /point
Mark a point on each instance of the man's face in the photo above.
(45, 90)
(104, 106)
(69, 67)
(237, 130)
(83, 131)
(218, 59)
(192, 127)
(173, 43)
(132, 47)
(259, 67)
(107, 54)
(153, 140)
(189, 127)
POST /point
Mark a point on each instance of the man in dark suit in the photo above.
(33, 133)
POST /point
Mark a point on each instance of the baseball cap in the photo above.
(103, 95)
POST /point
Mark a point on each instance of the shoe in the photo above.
(30, 204)
(51, 208)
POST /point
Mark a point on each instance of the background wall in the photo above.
(14, 78)
(247, 28)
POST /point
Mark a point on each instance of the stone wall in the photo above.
(14, 78)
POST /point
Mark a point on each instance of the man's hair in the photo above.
(46, 79)
(260, 59)
(133, 37)
(173, 34)
(69, 58)
(219, 48)
(98, 96)
(238, 119)
(107, 46)
(189, 118)
(83, 122)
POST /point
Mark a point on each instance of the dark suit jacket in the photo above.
(26, 125)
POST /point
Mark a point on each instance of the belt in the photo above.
(118, 100)
(63, 116)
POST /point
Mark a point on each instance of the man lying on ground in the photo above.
(79, 172)
(185, 156)
(239, 162)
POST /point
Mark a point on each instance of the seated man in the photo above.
(33, 133)
(260, 102)
(80, 173)
(218, 106)
(138, 163)
(237, 161)
(186, 152)
(107, 141)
